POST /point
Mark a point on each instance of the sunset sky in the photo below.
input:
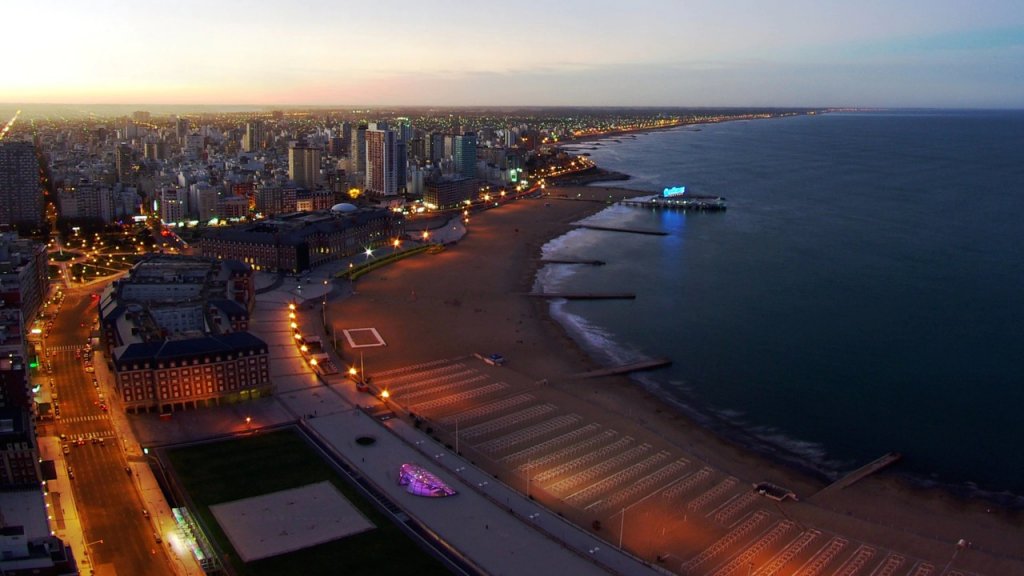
(939, 53)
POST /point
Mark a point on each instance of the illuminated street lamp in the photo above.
(248, 423)
(323, 306)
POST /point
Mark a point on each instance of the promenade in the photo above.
(593, 453)
(493, 526)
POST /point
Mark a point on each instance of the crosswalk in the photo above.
(89, 418)
(67, 347)
(91, 436)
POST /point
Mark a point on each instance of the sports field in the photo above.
(270, 462)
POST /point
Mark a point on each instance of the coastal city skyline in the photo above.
(572, 288)
(652, 53)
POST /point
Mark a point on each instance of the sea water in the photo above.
(863, 293)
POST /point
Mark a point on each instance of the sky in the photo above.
(824, 53)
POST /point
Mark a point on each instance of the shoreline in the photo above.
(682, 124)
(465, 300)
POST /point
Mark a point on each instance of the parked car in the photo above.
(495, 360)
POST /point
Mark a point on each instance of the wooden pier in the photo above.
(704, 204)
(585, 295)
(625, 368)
(573, 261)
(859, 474)
(629, 230)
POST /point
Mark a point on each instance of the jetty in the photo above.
(696, 204)
(585, 295)
(629, 230)
(860, 473)
(625, 368)
(572, 261)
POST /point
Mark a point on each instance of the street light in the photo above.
(323, 307)
(248, 423)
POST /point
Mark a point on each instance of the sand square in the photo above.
(363, 338)
(289, 520)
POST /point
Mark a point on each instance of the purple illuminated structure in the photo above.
(422, 483)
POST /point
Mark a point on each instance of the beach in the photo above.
(471, 299)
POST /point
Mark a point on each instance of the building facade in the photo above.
(381, 164)
(297, 242)
(176, 330)
(254, 137)
(464, 151)
(24, 276)
(21, 198)
(304, 165)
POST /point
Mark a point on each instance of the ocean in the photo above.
(861, 294)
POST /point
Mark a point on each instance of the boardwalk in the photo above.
(637, 490)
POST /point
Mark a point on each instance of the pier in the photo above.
(701, 204)
(585, 295)
(629, 230)
(860, 473)
(573, 261)
(625, 368)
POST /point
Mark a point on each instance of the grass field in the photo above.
(264, 463)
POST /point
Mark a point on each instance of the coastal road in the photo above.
(118, 534)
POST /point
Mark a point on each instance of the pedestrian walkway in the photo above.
(68, 348)
(89, 436)
(161, 517)
(526, 538)
(91, 418)
(61, 500)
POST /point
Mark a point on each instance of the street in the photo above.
(119, 537)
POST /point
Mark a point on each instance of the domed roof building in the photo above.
(343, 208)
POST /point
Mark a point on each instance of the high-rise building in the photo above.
(381, 163)
(435, 147)
(173, 205)
(464, 151)
(21, 199)
(155, 150)
(357, 157)
(24, 277)
(181, 130)
(123, 162)
(405, 129)
(401, 164)
(254, 137)
(304, 165)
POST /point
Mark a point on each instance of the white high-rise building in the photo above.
(381, 163)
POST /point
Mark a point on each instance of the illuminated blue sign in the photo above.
(674, 191)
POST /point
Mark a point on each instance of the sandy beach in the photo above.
(470, 298)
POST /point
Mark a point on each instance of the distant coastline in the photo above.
(689, 122)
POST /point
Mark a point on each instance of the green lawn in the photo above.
(264, 463)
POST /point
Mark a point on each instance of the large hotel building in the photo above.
(301, 241)
(176, 332)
